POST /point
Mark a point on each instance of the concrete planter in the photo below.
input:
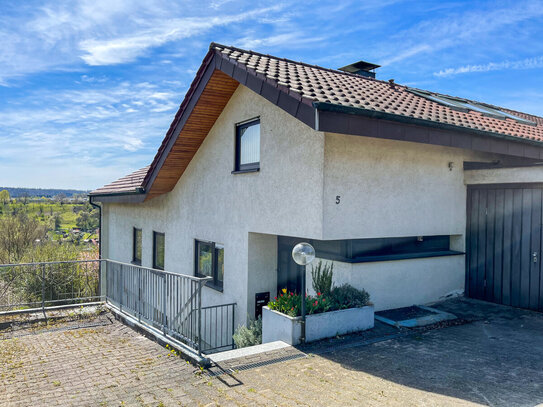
(280, 327)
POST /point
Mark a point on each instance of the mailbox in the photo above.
(261, 300)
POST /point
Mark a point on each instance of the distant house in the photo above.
(412, 194)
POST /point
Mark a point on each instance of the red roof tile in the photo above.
(127, 184)
(317, 84)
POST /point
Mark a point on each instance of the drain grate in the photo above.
(218, 370)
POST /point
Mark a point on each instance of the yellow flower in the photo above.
(284, 290)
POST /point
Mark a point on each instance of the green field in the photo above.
(45, 210)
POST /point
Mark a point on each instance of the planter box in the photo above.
(280, 327)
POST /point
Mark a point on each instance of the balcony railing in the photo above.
(29, 287)
(165, 301)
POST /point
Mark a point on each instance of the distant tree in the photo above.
(57, 220)
(61, 198)
(24, 196)
(4, 196)
(17, 235)
(87, 220)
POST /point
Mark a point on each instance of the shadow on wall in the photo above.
(494, 361)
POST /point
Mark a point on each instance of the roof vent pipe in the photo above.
(361, 68)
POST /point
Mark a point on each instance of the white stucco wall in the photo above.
(387, 189)
(391, 189)
(504, 175)
(400, 283)
(210, 203)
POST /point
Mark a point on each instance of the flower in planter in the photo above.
(341, 297)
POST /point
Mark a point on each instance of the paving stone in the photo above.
(495, 358)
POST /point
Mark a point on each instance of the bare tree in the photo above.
(17, 235)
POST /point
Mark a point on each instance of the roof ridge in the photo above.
(215, 45)
(337, 71)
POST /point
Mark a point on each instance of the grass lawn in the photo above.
(43, 210)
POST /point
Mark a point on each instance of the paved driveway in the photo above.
(496, 359)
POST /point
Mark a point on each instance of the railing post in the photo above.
(104, 285)
(164, 304)
(43, 290)
(121, 288)
(233, 325)
(199, 318)
(139, 294)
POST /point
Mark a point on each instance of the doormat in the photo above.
(413, 316)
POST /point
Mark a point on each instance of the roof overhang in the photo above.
(370, 123)
(219, 76)
(137, 196)
(215, 82)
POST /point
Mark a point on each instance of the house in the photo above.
(412, 194)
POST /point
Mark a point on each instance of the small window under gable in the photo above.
(248, 146)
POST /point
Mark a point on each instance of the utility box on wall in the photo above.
(261, 300)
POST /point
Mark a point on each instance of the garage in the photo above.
(504, 244)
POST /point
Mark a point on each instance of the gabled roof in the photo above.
(130, 183)
(327, 100)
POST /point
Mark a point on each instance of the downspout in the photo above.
(99, 207)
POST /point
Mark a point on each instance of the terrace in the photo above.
(165, 305)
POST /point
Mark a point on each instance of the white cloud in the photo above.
(469, 27)
(63, 35)
(126, 48)
(84, 130)
(528, 63)
(291, 39)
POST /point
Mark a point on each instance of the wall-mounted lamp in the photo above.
(451, 165)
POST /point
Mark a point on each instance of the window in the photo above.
(158, 250)
(467, 105)
(136, 247)
(248, 146)
(209, 262)
(377, 249)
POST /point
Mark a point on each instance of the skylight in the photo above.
(466, 106)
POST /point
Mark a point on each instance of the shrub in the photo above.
(322, 277)
(346, 296)
(249, 335)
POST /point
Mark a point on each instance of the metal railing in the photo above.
(218, 327)
(171, 303)
(29, 287)
(166, 301)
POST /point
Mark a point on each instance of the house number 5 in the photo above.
(338, 199)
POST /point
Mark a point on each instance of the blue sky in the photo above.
(88, 88)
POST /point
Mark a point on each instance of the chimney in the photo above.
(361, 68)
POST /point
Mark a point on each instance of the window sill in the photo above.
(246, 171)
(391, 257)
(136, 263)
(214, 286)
(403, 256)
